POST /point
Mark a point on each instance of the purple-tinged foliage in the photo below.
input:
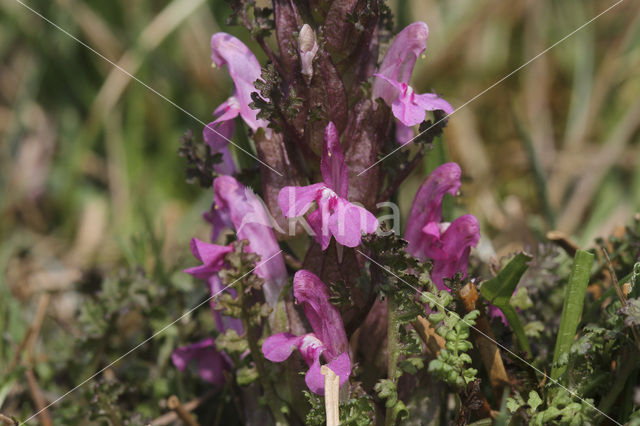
(328, 339)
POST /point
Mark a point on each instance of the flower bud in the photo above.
(307, 47)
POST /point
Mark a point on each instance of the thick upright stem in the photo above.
(256, 355)
(392, 356)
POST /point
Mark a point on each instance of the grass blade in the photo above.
(499, 290)
(572, 308)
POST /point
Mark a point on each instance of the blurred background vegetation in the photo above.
(93, 195)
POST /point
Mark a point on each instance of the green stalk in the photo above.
(628, 364)
(392, 356)
(572, 309)
(256, 355)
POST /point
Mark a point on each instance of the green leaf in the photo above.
(231, 342)
(533, 329)
(499, 289)
(534, 400)
(498, 292)
(572, 309)
(246, 376)
(512, 405)
(514, 321)
(631, 313)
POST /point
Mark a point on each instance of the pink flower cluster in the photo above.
(332, 214)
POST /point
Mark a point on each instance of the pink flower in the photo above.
(447, 244)
(244, 69)
(211, 363)
(237, 206)
(409, 107)
(394, 75)
(328, 339)
(212, 258)
(495, 312)
(335, 215)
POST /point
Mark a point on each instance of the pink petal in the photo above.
(406, 111)
(210, 366)
(392, 82)
(334, 170)
(210, 361)
(432, 102)
(403, 133)
(249, 216)
(432, 229)
(226, 111)
(218, 219)
(427, 204)
(244, 69)
(311, 348)
(320, 228)
(341, 366)
(431, 243)
(209, 254)
(279, 347)
(349, 221)
(294, 201)
(400, 59)
(463, 232)
(457, 240)
(495, 312)
(218, 133)
(324, 318)
(212, 257)
(314, 378)
(219, 138)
